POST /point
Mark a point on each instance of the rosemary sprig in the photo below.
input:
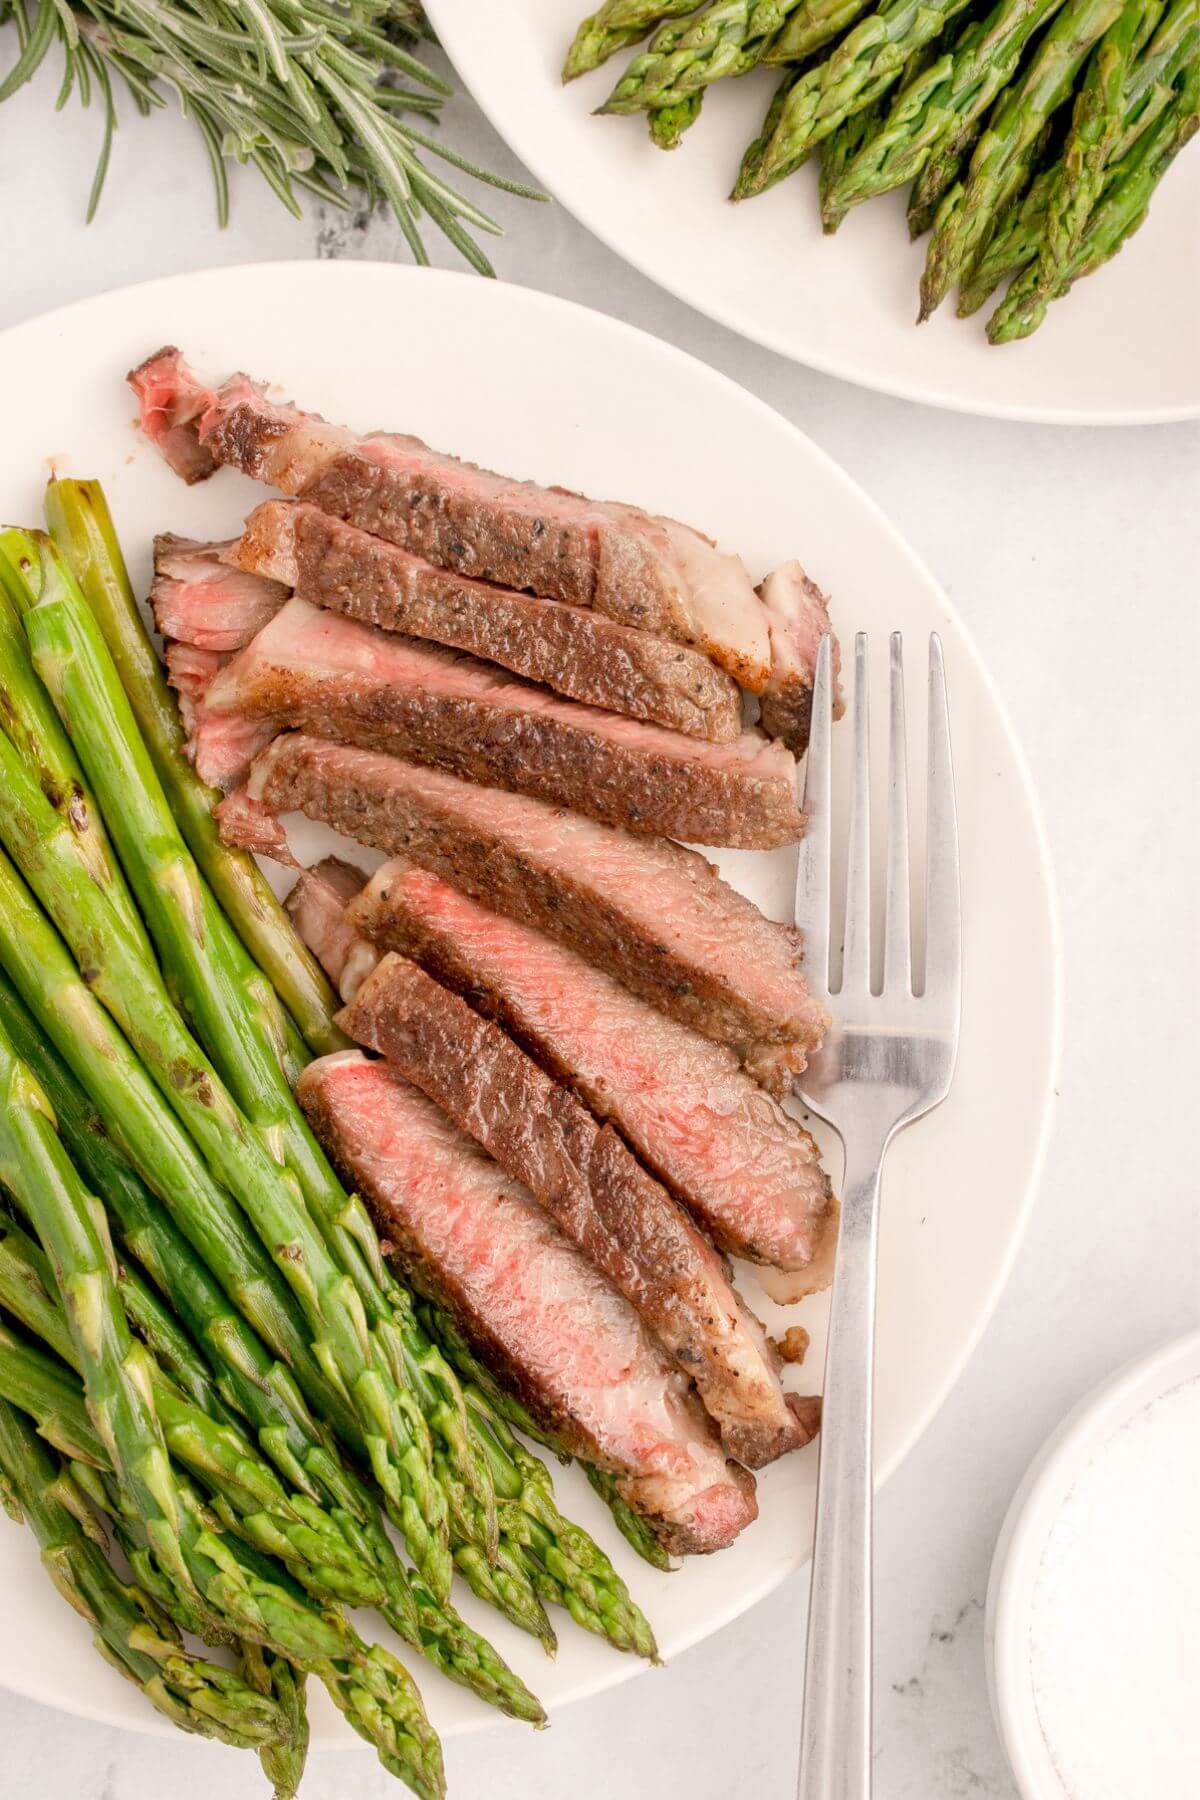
(317, 96)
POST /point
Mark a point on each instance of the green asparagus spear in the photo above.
(1002, 162)
(42, 1387)
(843, 145)
(231, 1004)
(1097, 121)
(631, 1525)
(79, 519)
(256, 1383)
(864, 65)
(128, 1628)
(936, 110)
(283, 1763)
(809, 26)
(615, 26)
(238, 1586)
(1016, 242)
(69, 1220)
(32, 723)
(667, 124)
(1149, 91)
(1121, 212)
(477, 1377)
(129, 985)
(678, 64)
(309, 1541)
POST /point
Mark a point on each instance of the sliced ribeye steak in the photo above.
(320, 672)
(548, 1323)
(640, 568)
(651, 913)
(623, 1220)
(572, 649)
(748, 1170)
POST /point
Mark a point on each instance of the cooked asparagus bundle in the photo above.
(128, 1627)
(1002, 163)
(1171, 41)
(352, 1356)
(215, 976)
(81, 525)
(234, 1587)
(936, 109)
(865, 64)
(1121, 212)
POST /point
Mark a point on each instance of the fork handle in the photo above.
(835, 1744)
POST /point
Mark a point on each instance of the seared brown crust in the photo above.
(574, 650)
(623, 1220)
(371, 800)
(596, 564)
(572, 762)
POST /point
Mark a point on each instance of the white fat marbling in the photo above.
(1072, 555)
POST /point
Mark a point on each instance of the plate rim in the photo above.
(837, 369)
(623, 1670)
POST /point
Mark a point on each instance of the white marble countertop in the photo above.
(1072, 555)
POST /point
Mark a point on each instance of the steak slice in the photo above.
(582, 1173)
(547, 1322)
(652, 913)
(221, 746)
(798, 618)
(198, 598)
(317, 908)
(730, 1152)
(323, 673)
(642, 569)
(572, 649)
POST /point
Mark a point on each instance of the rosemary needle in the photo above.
(315, 95)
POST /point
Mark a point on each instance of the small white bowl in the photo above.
(1028, 1523)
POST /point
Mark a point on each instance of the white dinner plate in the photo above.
(535, 387)
(1124, 349)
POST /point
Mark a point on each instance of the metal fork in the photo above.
(889, 1058)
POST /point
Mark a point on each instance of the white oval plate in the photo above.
(1028, 1523)
(1124, 349)
(536, 387)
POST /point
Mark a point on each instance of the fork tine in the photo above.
(856, 958)
(812, 868)
(897, 956)
(943, 912)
